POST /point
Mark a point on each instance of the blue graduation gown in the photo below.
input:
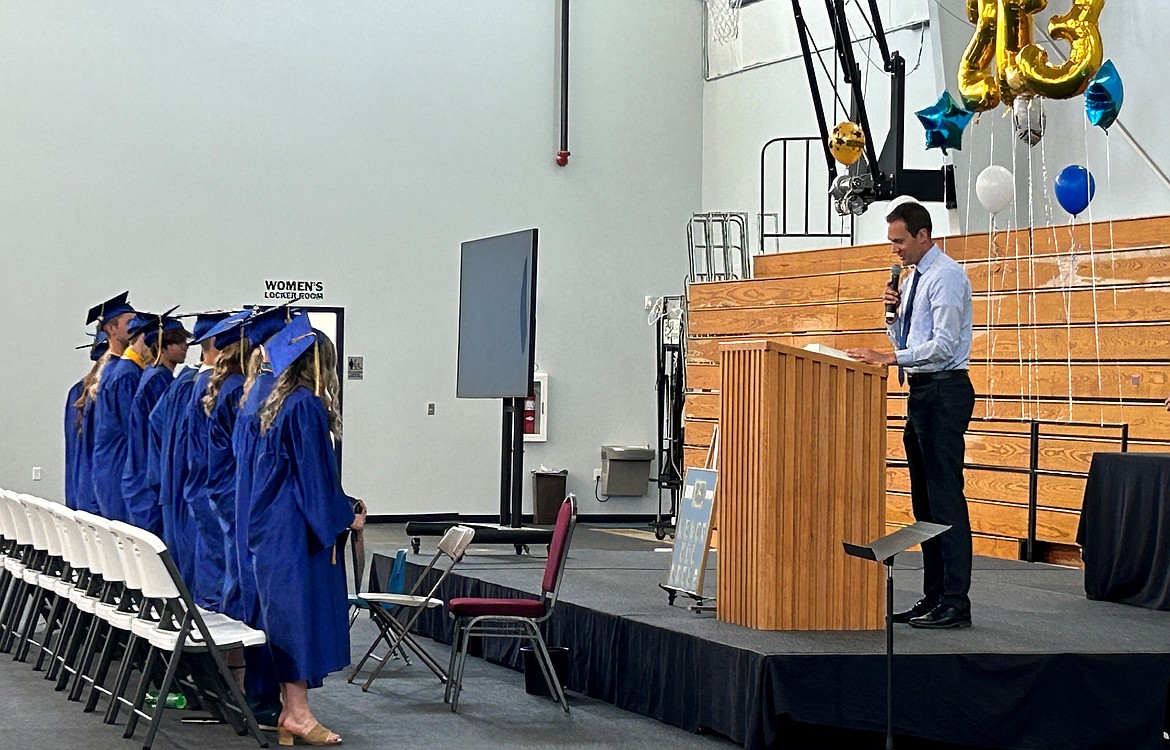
(83, 480)
(73, 442)
(298, 509)
(111, 424)
(167, 459)
(239, 594)
(138, 487)
(208, 582)
(240, 591)
(221, 485)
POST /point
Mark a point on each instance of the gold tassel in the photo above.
(316, 369)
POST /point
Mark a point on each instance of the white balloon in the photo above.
(897, 201)
(995, 188)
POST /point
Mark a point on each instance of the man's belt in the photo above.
(922, 378)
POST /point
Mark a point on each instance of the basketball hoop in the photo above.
(723, 19)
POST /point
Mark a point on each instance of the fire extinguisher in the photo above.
(530, 414)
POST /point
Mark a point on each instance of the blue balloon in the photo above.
(1075, 187)
(944, 122)
(1104, 96)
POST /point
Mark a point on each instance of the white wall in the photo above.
(744, 110)
(188, 150)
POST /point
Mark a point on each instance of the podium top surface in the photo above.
(764, 345)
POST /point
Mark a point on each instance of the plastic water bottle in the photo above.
(174, 700)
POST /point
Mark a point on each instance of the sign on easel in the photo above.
(692, 536)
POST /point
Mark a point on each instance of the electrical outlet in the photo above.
(36, 473)
(649, 302)
(430, 410)
(596, 474)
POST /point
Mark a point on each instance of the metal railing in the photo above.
(1033, 470)
(797, 220)
(718, 244)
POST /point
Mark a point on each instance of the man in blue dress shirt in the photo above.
(932, 347)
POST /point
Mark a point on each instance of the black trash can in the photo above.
(548, 492)
(534, 683)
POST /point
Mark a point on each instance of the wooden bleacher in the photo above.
(1042, 328)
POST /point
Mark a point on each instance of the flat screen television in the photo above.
(497, 316)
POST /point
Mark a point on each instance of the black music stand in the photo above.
(883, 550)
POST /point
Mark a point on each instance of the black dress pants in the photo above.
(938, 413)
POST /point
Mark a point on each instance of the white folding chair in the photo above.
(74, 568)
(114, 611)
(385, 608)
(175, 631)
(21, 566)
(82, 597)
(46, 601)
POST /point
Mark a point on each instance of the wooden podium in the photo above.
(802, 462)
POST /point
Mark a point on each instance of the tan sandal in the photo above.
(318, 735)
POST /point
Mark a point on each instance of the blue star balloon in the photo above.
(944, 122)
(1104, 96)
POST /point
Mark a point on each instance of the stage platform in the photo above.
(1042, 668)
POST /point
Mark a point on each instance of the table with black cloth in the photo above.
(1125, 529)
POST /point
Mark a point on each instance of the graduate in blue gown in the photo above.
(168, 426)
(210, 544)
(166, 463)
(73, 439)
(167, 341)
(111, 409)
(78, 440)
(226, 459)
(240, 598)
(298, 511)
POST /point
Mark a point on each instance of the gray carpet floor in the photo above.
(404, 708)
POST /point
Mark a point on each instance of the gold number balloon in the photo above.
(1002, 62)
(846, 143)
(1013, 33)
(977, 84)
(1078, 27)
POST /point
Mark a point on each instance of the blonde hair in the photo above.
(315, 369)
(255, 364)
(89, 389)
(230, 362)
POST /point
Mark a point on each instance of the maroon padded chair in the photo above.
(514, 618)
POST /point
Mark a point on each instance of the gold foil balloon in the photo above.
(1013, 33)
(977, 85)
(1078, 27)
(846, 143)
(1002, 62)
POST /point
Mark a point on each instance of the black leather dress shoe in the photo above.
(942, 617)
(923, 607)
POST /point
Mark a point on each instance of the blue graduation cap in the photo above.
(99, 346)
(262, 325)
(227, 331)
(168, 324)
(110, 309)
(289, 343)
(147, 322)
(204, 321)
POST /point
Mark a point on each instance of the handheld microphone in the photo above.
(895, 277)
